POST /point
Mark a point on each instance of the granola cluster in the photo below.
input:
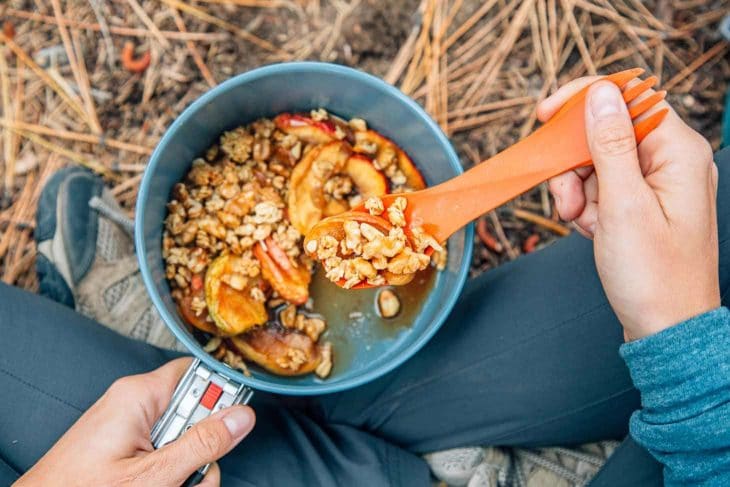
(230, 200)
(369, 254)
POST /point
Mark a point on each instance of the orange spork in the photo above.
(556, 147)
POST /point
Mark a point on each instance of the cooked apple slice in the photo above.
(185, 306)
(335, 207)
(198, 321)
(290, 281)
(385, 151)
(414, 178)
(233, 310)
(306, 128)
(279, 350)
(368, 180)
(334, 227)
(306, 202)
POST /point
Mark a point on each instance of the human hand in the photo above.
(110, 444)
(651, 211)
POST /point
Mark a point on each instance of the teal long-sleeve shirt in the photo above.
(683, 375)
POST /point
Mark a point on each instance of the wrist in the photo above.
(672, 360)
(652, 320)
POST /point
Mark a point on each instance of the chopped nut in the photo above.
(267, 212)
(367, 147)
(374, 205)
(198, 305)
(370, 232)
(296, 151)
(261, 150)
(352, 242)
(388, 303)
(262, 232)
(319, 114)
(395, 212)
(237, 144)
(312, 327)
(398, 178)
(293, 360)
(423, 240)
(311, 246)
(364, 268)
(213, 344)
(235, 361)
(358, 124)
(257, 294)
(228, 219)
(236, 281)
(325, 365)
(288, 315)
(338, 186)
(229, 190)
(439, 259)
(327, 247)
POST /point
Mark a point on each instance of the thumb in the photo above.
(612, 144)
(204, 443)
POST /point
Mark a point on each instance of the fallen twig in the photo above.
(124, 31)
(100, 140)
(506, 244)
(716, 50)
(193, 50)
(53, 84)
(206, 17)
(542, 221)
(147, 21)
(69, 154)
(491, 69)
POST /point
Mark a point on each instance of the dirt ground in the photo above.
(478, 67)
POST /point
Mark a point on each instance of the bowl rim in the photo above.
(192, 345)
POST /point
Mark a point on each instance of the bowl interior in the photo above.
(291, 87)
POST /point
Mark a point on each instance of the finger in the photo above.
(567, 189)
(159, 386)
(590, 188)
(582, 231)
(612, 145)
(213, 477)
(588, 219)
(551, 104)
(204, 443)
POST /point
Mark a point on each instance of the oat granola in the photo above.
(375, 256)
(233, 236)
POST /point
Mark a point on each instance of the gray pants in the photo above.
(527, 358)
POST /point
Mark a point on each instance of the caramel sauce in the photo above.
(352, 316)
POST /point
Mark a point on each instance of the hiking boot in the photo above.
(86, 257)
(519, 467)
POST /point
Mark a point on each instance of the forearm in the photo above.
(683, 374)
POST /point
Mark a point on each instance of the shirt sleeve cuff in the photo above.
(686, 361)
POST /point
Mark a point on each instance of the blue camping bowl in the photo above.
(292, 87)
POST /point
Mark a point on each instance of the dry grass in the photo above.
(479, 68)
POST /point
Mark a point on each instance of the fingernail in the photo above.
(605, 101)
(238, 421)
